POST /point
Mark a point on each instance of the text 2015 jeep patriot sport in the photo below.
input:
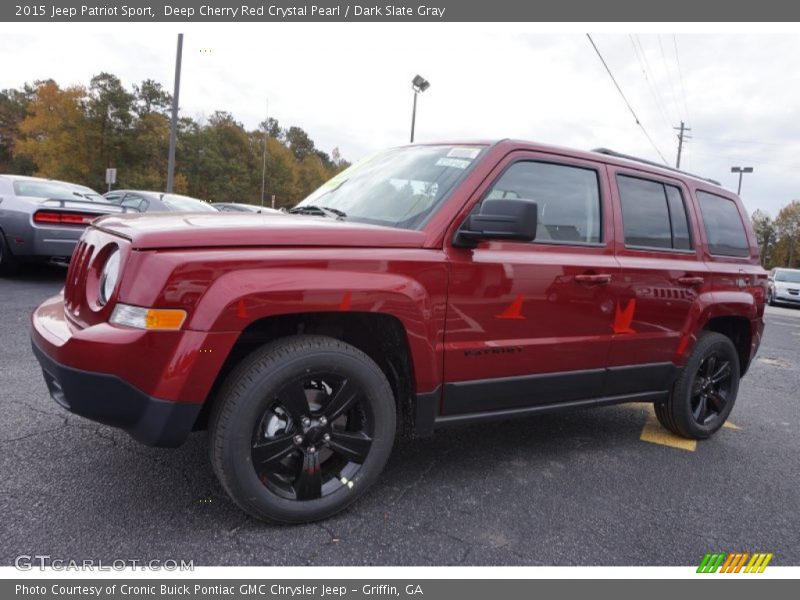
(427, 286)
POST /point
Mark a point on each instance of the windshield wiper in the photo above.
(325, 211)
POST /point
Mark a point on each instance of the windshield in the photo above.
(45, 189)
(788, 276)
(185, 203)
(400, 187)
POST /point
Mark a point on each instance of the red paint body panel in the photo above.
(503, 309)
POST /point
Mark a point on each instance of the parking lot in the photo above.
(597, 487)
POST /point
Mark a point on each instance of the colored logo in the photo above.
(736, 562)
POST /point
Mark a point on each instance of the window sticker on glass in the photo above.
(469, 153)
(456, 163)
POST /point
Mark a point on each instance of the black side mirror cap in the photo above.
(499, 219)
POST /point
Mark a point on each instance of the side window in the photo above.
(568, 199)
(724, 228)
(681, 240)
(653, 214)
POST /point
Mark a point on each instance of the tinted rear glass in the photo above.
(653, 214)
(45, 189)
(724, 227)
(181, 203)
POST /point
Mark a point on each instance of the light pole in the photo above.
(418, 84)
(173, 128)
(741, 171)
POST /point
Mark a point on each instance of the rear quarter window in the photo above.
(723, 224)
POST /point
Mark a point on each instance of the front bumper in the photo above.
(787, 297)
(151, 384)
(109, 400)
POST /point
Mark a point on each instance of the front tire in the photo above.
(705, 393)
(770, 298)
(301, 429)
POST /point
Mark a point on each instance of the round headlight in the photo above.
(109, 277)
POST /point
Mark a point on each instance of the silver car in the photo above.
(42, 219)
(784, 287)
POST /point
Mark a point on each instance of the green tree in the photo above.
(76, 133)
(109, 109)
(150, 97)
(13, 109)
(299, 143)
(787, 224)
(764, 228)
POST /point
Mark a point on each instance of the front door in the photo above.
(530, 323)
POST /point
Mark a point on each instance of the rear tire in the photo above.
(301, 429)
(706, 390)
(9, 265)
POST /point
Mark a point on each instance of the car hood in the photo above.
(183, 230)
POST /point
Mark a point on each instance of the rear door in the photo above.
(529, 323)
(662, 275)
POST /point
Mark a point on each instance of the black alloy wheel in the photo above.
(711, 389)
(313, 438)
(705, 392)
(302, 428)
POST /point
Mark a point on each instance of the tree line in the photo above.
(779, 238)
(74, 133)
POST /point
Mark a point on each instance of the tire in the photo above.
(9, 265)
(704, 394)
(257, 420)
(770, 298)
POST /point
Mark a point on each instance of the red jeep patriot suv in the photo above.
(427, 286)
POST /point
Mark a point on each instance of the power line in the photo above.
(708, 140)
(669, 78)
(652, 72)
(680, 77)
(628, 104)
(650, 85)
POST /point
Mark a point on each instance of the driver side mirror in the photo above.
(499, 219)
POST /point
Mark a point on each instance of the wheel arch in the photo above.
(738, 329)
(380, 336)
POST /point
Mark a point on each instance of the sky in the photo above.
(349, 85)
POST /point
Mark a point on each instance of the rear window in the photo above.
(186, 203)
(653, 214)
(45, 189)
(723, 224)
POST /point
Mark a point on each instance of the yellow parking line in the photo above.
(655, 434)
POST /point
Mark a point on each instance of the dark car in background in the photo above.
(143, 201)
(42, 219)
(240, 207)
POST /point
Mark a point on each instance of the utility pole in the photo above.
(173, 130)
(681, 136)
(264, 161)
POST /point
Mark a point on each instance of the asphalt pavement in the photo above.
(572, 489)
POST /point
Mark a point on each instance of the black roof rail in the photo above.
(609, 152)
